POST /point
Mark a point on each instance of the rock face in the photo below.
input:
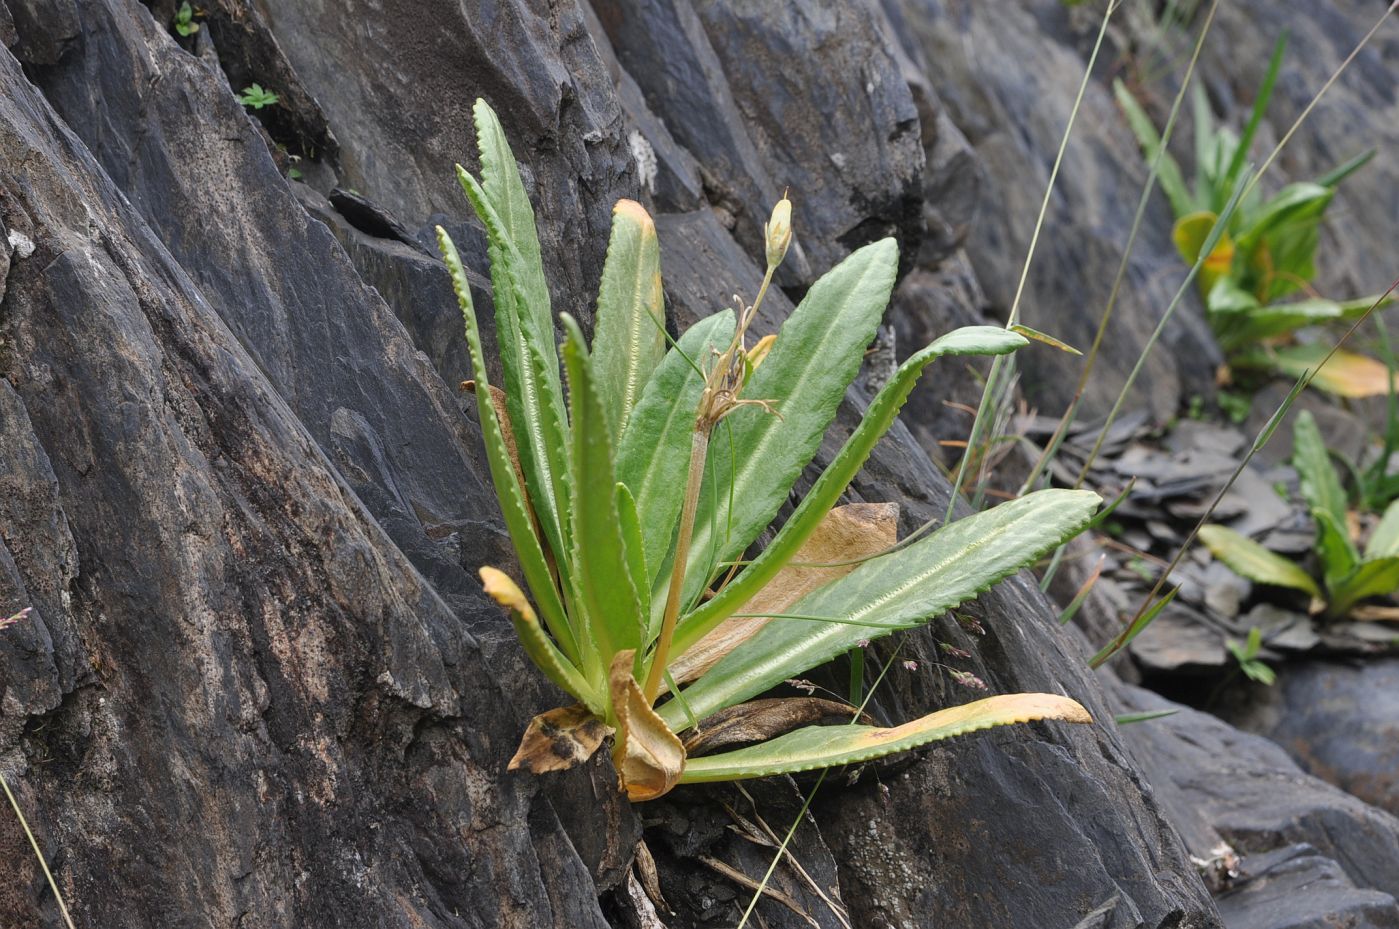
(260, 684)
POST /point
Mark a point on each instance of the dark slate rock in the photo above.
(266, 689)
(1340, 722)
(1295, 888)
(404, 115)
(1221, 784)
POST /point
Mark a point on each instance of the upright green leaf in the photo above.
(896, 591)
(654, 451)
(507, 487)
(817, 354)
(1260, 107)
(603, 571)
(1246, 557)
(813, 747)
(636, 551)
(1167, 172)
(1321, 487)
(817, 502)
(533, 392)
(1335, 549)
(629, 341)
(1384, 541)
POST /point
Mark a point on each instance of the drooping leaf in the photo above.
(895, 591)
(600, 559)
(509, 491)
(1370, 579)
(655, 446)
(630, 338)
(1384, 541)
(878, 417)
(1043, 338)
(648, 755)
(1247, 558)
(847, 534)
(817, 354)
(1277, 319)
(560, 739)
(826, 746)
(541, 651)
(1321, 486)
(1347, 374)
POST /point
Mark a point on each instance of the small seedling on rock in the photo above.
(632, 498)
(184, 20)
(255, 97)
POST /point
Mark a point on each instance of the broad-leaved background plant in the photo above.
(632, 498)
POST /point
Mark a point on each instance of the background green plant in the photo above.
(1348, 575)
(1267, 251)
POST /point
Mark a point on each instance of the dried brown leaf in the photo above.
(760, 720)
(560, 739)
(846, 535)
(648, 756)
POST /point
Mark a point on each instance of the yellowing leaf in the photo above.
(648, 756)
(835, 547)
(825, 746)
(1347, 374)
(560, 739)
(1189, 236)
(759, 351)
(1246, 557)
(538, 646)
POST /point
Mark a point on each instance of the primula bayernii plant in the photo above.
(632, 497)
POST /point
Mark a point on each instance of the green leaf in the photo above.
(813, 747)
(1374, 578)
(817, 354)
(636, 550)
(629, 341)
(507, 487)
(1167, 172)
(603, 570)
(533, 391)
(1384, 541)
(1321, 487)
(1333, 546)
(1300, 202)
(817, 502)
(1127, 719)
(1247, 558)
(1275, 319)
(1344, 171)
(1260, 106)
(1351, 310)
(1139, 624)
(895, 591)
(654, 452)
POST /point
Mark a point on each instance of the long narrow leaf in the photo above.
(1321, 487)
(813, 747)
(896, 591)
(599, 552)
(507, 487)
(1260, 107)
(629, 341)
(530, 364)
(969, 340)
(817, 354)
(655, 446)
(1167, 172)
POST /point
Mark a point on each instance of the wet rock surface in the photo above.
(240, 492)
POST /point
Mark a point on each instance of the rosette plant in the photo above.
(632, 497)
